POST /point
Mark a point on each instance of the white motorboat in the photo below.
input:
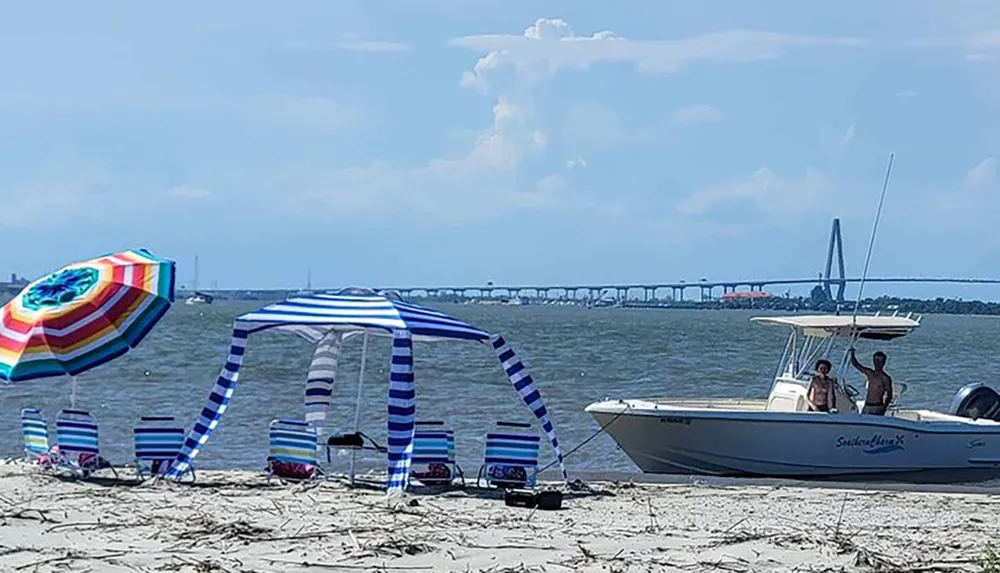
(780, 437)
(199, 298)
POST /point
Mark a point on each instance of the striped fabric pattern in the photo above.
(35, 432)
(83, 315)
(525, 386)
(359, 310)
(292, 441)
(319, 383)
(510, 448)
(157, 438)
(217, 403)
(433, 443)
(76, 433)
(402, 411)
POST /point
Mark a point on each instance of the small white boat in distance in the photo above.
(780, 437)
(199, 298)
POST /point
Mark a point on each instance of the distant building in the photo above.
(748, 294)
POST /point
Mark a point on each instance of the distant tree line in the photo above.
(882, 304)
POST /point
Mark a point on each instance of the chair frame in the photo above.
(293, 427)
(34, 424)
(505, 433)
(157, 425)
(436, 430)
(66, 422)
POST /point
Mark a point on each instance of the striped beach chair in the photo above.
(35, 431)
(293, 451)
(511, 456)
(158, 440)
(78, 443)
(433, 461)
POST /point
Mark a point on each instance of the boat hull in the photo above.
(799, 445)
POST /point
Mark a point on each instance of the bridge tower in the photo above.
(828, 280)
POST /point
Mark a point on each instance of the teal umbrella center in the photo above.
(60, 288)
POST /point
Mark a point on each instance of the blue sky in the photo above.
(443, 142)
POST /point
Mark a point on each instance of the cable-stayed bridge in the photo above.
(676, 291)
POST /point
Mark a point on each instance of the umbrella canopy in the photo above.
(83, 315)
(359, 309)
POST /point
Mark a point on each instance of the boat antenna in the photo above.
(871, 245)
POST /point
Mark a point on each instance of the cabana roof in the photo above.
(314, 315)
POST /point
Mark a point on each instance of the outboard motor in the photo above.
(976, 400)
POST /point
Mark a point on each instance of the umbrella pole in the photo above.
(72, 392)
(357, 404)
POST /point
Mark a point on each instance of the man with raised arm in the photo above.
(879, 393)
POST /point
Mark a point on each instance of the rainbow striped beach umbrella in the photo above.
(83, 315)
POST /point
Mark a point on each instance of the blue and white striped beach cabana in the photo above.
(326, 319)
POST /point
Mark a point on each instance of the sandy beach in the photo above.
(237, 522)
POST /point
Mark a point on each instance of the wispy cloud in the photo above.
(763, 190)
(695, 114)
(550, 45)
(984, 174)
(989, 39)
(373, 46)
(979, 57)
(968, 208)
(906, 94)
(190, 192)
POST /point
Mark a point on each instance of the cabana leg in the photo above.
(357, 405)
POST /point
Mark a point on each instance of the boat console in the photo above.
(788, 394)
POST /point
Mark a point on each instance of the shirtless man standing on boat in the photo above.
(879, 384)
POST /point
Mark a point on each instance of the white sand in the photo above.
(236, 522)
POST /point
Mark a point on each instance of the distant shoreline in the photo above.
(883, 305)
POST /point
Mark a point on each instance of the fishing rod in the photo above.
(871, 245)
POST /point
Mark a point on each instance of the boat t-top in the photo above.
(780, 436)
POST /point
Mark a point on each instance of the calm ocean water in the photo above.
(576, 355)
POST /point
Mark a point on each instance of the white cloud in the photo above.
(695, 114)
(968, 208)
(835, 142)
(550, 45)
(373, 46)
(978, 57)
(984, 174)
(906, 94)
(980, 47)
(577, 163)
(588, 126)
(986, 40)
(765, 191)
(482, 182)
(848, 136)
(190, 192)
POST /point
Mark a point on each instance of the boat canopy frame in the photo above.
(812, 337)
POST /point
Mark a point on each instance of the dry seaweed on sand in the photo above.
(233, 523)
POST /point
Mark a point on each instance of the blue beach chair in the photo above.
(78, 443)
(158, 440)
(293, 451)
(511, 456)
(433, 461)
(35, 431)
